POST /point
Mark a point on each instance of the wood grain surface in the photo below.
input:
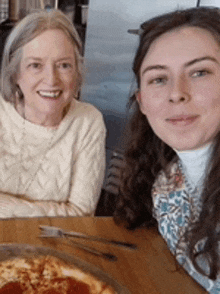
(151, 269)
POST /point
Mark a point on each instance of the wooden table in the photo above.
(149, 270)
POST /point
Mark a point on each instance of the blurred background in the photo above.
(108, 48)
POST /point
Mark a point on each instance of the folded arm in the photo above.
(87, 177)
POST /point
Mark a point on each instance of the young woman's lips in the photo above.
(183, 120)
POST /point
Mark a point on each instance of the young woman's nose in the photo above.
(51, 75)
(179, 91)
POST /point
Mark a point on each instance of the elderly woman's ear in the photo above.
(18, 93)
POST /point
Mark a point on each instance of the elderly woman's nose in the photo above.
(51, 75)
(179, 90)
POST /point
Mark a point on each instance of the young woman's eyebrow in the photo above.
(192, 62)
(154, 67)
(189, 63)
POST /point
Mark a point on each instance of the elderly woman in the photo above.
(52, 146)
(172, 163)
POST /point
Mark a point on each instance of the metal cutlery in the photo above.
(53, 232)
(50, 231)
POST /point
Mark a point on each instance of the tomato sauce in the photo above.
(10, 288)
(74, 287)
(77, 287)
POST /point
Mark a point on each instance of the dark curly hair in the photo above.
(146, 154)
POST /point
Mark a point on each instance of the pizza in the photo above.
(48, 275)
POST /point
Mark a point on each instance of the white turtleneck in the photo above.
(194, 163)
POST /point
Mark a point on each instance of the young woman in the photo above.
(52, 147)
(172, 163)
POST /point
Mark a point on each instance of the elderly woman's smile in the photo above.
(49, 94)
(47, 77)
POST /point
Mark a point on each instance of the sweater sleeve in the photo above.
(88, 170)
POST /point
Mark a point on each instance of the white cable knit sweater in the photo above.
(59, 171)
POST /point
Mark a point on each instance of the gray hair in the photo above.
(26, 30)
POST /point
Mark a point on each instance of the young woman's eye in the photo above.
(158, 81)
(200, 73)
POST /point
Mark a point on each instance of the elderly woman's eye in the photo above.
(65, 65)
(200, 73)
(34, 65)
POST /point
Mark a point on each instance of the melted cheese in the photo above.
(40, 274)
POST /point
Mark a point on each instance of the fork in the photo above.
(53, 232)
(50, 231)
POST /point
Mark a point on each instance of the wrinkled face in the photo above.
(180, 88)
(48, 76)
